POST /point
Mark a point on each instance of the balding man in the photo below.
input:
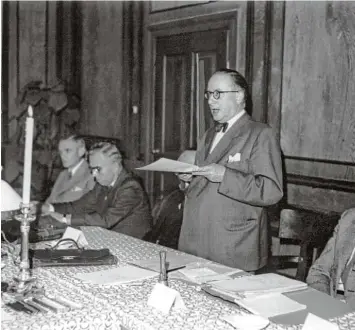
(240, 175)
(117, 202)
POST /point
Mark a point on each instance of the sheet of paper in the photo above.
(6, 316)
(76, 235)
(164, 298)
(173, 260)
(314, 322)
(246, 321)
(264, 283)
(169, 165)
(119, 275)
(270, 305)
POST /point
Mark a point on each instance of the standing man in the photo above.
(117, 202)
(75, 180)
(240, 175)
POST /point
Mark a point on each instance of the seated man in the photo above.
(117, 202)
(168, 211)
(334, 270)
(76, 180)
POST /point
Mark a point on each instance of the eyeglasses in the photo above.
(217, 94)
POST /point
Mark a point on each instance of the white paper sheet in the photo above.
(173, 260)
(119, 275)
(270, 305)
(169, 165)
(74, 234)
(314, 322)
(260, 284)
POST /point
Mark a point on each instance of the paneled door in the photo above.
(183, 65)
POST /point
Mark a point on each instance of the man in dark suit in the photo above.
(334, 271)
(240, 175)
(117, 202)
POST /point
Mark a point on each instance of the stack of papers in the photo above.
(271, 305)
(249, 286)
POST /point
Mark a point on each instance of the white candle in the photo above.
(26, 192)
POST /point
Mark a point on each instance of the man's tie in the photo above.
(221, 127)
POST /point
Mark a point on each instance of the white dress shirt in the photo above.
(220, 134)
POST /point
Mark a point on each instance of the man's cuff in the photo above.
(67, 219)
(51, 208)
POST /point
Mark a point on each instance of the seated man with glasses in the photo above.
(239, 175)
(117, 202)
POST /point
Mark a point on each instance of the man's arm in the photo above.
(319, 276)
(259, 180)
(126, 198)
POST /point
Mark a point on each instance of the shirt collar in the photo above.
(75, 168)
(233, 120)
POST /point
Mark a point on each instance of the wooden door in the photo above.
(183, 65)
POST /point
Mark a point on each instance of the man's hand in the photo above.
(186, 177)
(212, 172)
(46, 208)
(57, 216)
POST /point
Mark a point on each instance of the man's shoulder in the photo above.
(347, 218)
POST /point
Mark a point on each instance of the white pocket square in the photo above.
(235, 158)
(77, 189)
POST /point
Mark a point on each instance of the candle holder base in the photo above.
(19, 289)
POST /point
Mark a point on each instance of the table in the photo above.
(110, 307)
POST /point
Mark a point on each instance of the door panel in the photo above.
(184, 63)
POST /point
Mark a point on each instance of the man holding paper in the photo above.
(239, 175)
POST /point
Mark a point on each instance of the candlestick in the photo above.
(26, 187)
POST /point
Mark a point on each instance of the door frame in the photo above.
(233, 20)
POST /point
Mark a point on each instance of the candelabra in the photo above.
(24, 283)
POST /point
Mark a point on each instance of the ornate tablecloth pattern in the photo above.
(107, 307)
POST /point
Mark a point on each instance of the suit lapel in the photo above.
(66, 183)
(224, 144)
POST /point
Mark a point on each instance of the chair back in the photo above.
(167, 219)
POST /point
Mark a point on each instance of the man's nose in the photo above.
(211, 99)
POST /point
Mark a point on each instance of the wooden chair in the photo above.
(167, 219)
(309, 230)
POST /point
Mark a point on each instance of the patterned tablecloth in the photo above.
(109, 307)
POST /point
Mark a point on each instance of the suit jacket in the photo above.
(67, 189)
(325, 273)
(226, 222)
(123, 208)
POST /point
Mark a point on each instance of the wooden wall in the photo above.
(299, 61)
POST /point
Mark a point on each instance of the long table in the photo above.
(125, 306)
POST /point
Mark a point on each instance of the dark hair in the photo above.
(108, 149)
(240, 81)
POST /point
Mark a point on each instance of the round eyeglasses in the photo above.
(217, 94)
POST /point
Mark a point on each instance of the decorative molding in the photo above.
(318, 160)
(171, 5)
(315, 182)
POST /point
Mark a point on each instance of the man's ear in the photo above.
(82, 151)
(240, 97)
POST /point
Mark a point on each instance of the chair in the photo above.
(167, 219)
(310, 230)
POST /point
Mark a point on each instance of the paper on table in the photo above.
(174, 261)
(314, 322)
(76, 235)
(208, 274)
(260, 284)
(169, 165)
(119, 275)
(270, 305)
(6, 316)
